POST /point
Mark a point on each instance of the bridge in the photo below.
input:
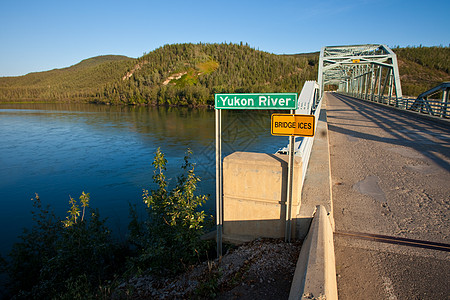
(373, 193)
(389, 173)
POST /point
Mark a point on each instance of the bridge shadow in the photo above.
(406, 130)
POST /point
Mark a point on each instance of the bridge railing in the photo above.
(310, 103)
(422, 104)
(435, 107)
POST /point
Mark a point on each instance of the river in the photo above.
(61, 150)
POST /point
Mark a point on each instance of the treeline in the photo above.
(422, 68)
(190, 74)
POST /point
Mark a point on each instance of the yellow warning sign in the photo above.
(296, 125)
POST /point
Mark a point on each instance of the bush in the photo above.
(169, 239)
(55, 255)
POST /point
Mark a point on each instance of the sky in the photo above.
(43, 35)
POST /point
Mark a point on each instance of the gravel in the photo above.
(263, 268)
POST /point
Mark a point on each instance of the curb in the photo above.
(315, 273)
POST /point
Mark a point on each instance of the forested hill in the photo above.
(180, 74)
(422, 68)
(190, 74)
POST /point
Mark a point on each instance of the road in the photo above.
(391, 176)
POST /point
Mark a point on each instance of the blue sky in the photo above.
(43, 35)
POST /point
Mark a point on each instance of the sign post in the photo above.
(291, 125)
(287, 232)
(241, 101)
(219, 215)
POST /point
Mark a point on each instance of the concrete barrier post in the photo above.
(254, 193)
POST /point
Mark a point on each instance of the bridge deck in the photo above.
(391, 176)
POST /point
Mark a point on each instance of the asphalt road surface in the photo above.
(391, 176)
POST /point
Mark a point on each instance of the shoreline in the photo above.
(209, 106)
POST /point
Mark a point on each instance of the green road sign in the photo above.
(256, 101)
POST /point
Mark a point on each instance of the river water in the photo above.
(61, 150)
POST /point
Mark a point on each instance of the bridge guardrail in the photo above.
(309, 104)
(434, 107)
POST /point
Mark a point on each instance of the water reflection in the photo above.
(59, 150)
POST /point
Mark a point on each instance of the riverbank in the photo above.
(263, 269)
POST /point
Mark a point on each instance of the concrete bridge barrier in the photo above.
(315, 274)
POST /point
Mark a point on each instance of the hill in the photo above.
(190, 74)
(82, 81)
(181, 74)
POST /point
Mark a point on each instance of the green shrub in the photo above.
(169, 239)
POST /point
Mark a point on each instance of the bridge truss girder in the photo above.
(363, 71)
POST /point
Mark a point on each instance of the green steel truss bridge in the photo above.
(370, 72)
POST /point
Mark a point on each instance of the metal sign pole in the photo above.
(287, 236)
(219, 201)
